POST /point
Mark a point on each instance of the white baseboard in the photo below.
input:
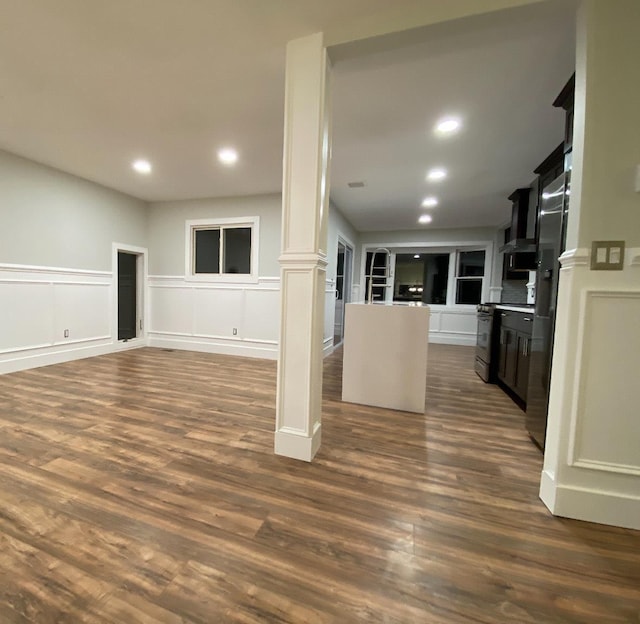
(238, 346)
(13, 363)
(294, 444)
(328, 347)
(451, 338)
(590, 505)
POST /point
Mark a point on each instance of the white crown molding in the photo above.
(575, 257)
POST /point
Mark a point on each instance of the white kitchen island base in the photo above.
(385, 355)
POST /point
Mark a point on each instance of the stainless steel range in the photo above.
(483, 343)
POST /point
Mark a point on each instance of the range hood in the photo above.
(517, 241)
(519, 245)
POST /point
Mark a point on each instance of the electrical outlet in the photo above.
(66, 333)
(235, 331)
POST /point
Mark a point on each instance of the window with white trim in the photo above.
(433, 274)
(469, 276)
(222, 249)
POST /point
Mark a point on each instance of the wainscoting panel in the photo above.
(261, 314)
(202, 316)
(611, 342)
(82, 308)
(27, 320)
(171, 309)
(217, 311)
(39, 303)
(453, 326)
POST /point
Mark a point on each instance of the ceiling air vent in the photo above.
(355, 184)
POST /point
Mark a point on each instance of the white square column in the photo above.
(592, 452)
(305, 199)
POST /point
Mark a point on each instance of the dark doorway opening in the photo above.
(127, 295)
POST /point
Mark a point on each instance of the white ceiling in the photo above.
(500, 73)
(87, 86)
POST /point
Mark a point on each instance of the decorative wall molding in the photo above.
(50, 356)
(213, 317)
(575, 257)
(607, 467)
(451, 338)
(56, 271)
(66, 343)
(40, 303)
(178, 281)
(262, 349)
(52, 282)
(595, 356)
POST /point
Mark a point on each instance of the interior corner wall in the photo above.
(235, 318)
(56, 238)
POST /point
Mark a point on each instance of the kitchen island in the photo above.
(385, 355)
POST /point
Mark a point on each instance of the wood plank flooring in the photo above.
(142, 487)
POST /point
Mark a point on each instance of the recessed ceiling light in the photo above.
(416, 256)
(142, 166)
(437, 174)
(429, 202)
(425, 219)
(228, 156)
(448, 126)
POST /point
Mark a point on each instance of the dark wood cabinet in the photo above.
(521, 377)
(565, 100)
(514, 351)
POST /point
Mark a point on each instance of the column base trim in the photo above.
(296, 445)
(590, 505)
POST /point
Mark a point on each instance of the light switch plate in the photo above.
(607, 255)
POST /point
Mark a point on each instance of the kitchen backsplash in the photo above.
(514, 291)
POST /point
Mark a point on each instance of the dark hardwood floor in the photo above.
(141, 487)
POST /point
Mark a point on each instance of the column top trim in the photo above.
(306, 259)
(575, 257)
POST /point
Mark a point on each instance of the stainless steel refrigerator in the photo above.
(552, 226)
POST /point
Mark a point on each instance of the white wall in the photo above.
(236, 318)
(50, 218)
(56, 237)
(167, 225)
